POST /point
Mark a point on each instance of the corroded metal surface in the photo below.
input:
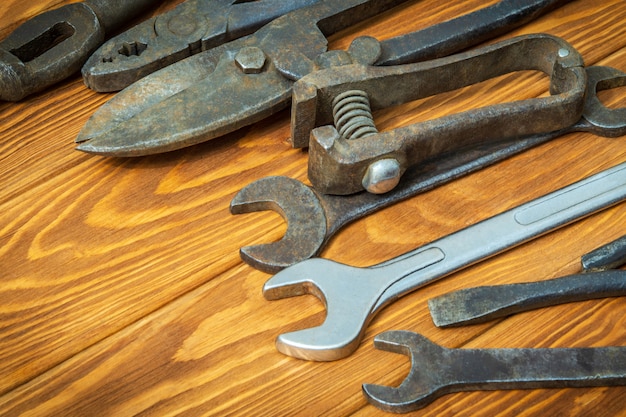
(208, 95)
(338, 164)
(333, 212)
(190, 28)
(481, 304)
(437, 371)
(54, 45)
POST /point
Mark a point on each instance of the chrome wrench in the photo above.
(353, 296)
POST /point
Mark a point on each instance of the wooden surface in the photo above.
(122, 291)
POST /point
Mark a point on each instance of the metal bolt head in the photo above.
(382, 176)
(250, 60)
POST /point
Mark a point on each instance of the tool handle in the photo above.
(539, 368)
(463, 32)
(481, 304)
(506, 230)
(113, 13)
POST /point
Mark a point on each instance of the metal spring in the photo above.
(353, 115)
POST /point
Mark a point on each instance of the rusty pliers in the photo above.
(54, 45)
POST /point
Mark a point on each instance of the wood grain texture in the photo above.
(122, 291)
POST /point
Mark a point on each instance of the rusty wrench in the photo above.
(353, 296)
(313, 218)
(436, 371)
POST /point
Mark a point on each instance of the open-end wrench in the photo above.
(313, 218)
(437, 371)
(481, 304)
(353, 296)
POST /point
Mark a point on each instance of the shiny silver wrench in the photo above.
(353, 296)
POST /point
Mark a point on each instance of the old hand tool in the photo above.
(55, 44)
(609, 256)
(481, 304)
(314, 218)
(352, 155)
(437, 371)
(234, 85)
(190, 28)
(353, 296)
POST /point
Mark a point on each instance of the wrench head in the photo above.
(349, 295)
(301, 209)
(602, 120)
(423, 384)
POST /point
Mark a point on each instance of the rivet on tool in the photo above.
(250, 60)
(382, 176)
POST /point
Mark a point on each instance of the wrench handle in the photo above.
(504, 231)
(463, 32)
(113, 13)
(539, 368)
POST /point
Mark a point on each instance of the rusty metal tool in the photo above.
(190, 28)
(239, 83)
(313, 218)
(353, 296)
(481, 304)
(352, 155)
(54, 45)
(437, 371)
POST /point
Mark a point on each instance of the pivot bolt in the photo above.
(382, 176)
(250, 60)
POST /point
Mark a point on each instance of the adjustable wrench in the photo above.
(353, 296)
(436, 371)
(313, 218)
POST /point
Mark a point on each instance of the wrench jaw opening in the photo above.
(348, 307)
(301, 209)
(599, 119)
(420, 387)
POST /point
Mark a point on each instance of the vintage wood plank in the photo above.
(122, 290)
